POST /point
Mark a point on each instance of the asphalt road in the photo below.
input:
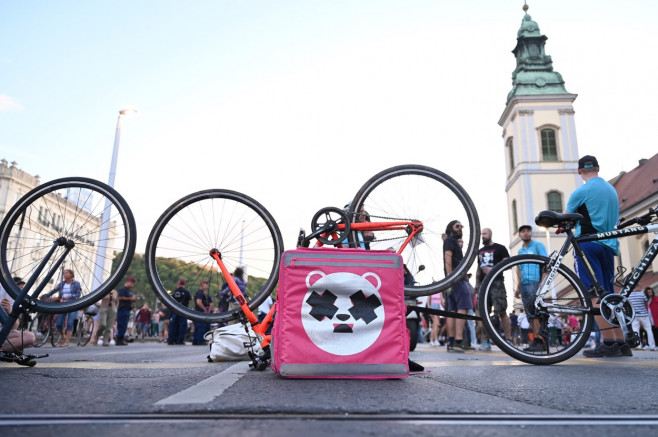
(173, 390)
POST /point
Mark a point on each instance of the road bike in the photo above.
(84, 327)
(557, 292)
(44, 329)
(206, 235)
(71, 223)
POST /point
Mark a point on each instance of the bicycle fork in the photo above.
(259, 328)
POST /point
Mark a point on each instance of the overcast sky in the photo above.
(298, 103)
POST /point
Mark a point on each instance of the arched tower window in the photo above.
(548, 145)
(554, 200)
(515, 218)
(510, 153)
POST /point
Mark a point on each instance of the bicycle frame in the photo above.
(628, 285)
(413, 229)
(259, 328)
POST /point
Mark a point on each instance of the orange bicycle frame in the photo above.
(259, 328)
(412, 228)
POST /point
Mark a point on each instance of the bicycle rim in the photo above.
(86, 330)
(415, 192)
(55, 336)
(241, 229)
(566, 290)
(90, 217)
(40, 334)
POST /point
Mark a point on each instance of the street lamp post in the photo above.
(99, 268)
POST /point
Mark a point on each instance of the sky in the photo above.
(298, 103)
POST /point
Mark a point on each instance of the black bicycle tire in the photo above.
(87, 327)
(471, 213)
(163, 220)
(34, 321)
(328, 240)
(520, 355)
(55, 336)
(130, 237)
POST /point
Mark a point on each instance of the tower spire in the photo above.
(534, 74)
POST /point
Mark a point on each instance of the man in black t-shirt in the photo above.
(126, 301)
(203, 303)
(488, 256)
(178, 324)
(458, 298)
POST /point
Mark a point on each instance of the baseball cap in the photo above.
(181, 282)
(131, 279)
(204, 282)
(522, 227)
(588, 161)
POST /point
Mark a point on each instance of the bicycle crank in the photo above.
(618, 311)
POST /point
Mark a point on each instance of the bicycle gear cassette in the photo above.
(614, 305)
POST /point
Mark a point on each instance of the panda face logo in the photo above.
(342, 313)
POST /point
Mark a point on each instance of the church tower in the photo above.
(539, 138)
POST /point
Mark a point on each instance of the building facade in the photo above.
(539, 138)
(638, 191)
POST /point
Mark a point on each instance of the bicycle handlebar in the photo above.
(642, 220)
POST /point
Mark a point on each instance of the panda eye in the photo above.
(364, 307)
(323, 305)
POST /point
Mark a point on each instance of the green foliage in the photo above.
(173, 270)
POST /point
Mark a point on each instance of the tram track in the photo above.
(27, 420)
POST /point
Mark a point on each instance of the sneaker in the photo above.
(646, 348)
(112, 342)
(606, 351)
(100, 342)
(536, 346)
(485, 346)
(625, 350)
(456, 349)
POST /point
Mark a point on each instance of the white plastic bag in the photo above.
(232, 343)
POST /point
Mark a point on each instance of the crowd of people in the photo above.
(596, 200)
(119, 322)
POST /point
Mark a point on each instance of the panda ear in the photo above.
(314, 273)
(373, 279)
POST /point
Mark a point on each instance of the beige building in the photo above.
(14, 183)
(539, 136)
(638, 191)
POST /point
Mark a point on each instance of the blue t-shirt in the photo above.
(598, 202)
(530, 272)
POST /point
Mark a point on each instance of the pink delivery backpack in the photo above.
(340, 314)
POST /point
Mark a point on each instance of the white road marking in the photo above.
(210, 388)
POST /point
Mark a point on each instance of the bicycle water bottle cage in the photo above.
(551, 219)
(620, 272)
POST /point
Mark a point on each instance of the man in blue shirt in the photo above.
(598, 203)
(126, 301)
(530, 278)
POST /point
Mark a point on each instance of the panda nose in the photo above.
(343, 317)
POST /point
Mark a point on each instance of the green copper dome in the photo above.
(534, 73)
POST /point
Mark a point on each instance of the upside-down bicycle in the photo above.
(72, 223)
(560, 293)
(206, 235)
